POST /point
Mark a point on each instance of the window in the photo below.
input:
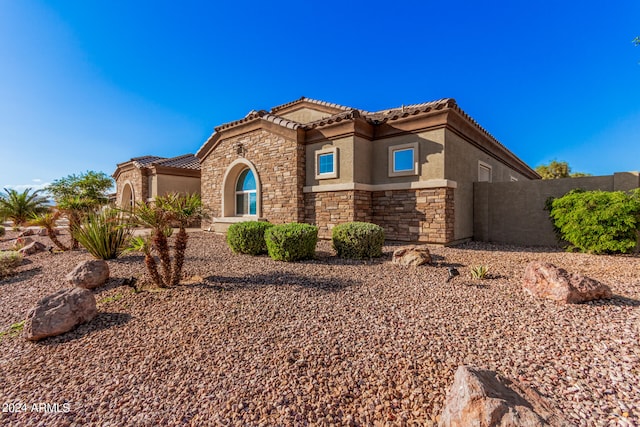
(403, 159)
(246, 194)
(327, 163)
(484, 172)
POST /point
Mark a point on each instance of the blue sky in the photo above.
(85, 85)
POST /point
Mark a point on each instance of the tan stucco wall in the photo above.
(461, 165)
(172, 183)
(514, 212)
(305, 115)
(279, 164)
(431, 157)
(345, 148)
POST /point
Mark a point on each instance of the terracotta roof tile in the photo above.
(313, 101)
(262, 114)
(347, 115)
(186, 161)
(145, 161)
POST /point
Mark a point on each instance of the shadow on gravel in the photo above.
(617, 300)
(224, 283)
(100, 322)
(20, 276)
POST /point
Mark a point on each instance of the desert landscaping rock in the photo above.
(250, 341)
(412, 255)
(27, 232)
(89, 274)
(545, 280)
(32, 248)
(59, 313)
(486, 399)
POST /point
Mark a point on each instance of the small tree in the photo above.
(20, 207)
(555, 170)
(48, 221)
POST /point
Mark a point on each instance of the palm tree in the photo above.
(143, 244)
(48, 221)
(76, 208)
(19, 207)
(184, 210)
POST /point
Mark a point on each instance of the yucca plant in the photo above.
(48, 221)
(479, 272)
(20, 206)
(105, 235)
(76, 208)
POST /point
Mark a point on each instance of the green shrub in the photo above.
(105, 235)
(358, 240)
(2, 231)
(479, 272)
(9, 261)
(291, 242)
(248, 237)
(598, 221)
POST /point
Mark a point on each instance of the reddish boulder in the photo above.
(545, 280)
(59, 313)
(412, 255)
(32, 248)
(486, 399)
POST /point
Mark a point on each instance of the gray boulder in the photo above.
(59, 313)
(89, 274)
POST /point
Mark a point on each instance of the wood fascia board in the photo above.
(468, 131)
(167, 170)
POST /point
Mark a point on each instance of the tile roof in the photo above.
(262, 114)
(312, 101)
(186, 161)
(145, 161)
(346, 115)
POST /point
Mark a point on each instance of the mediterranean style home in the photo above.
(144, 178)
(409, 169)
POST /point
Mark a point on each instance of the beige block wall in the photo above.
(461, 165)
(279, 163)
(514, 212)
(138, 181)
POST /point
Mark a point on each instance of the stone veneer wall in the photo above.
(330, 208)
(280, 166)
(138, 182)
(415, 215)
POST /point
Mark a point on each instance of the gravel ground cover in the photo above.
(250, 341)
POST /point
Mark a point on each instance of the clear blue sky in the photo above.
(88, 84)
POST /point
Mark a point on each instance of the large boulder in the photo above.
(59, 313)
(412, 255)
(32, 248)
(486, 399)
(89, 274)
(542, 279)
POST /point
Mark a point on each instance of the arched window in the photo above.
(246, 193)
(128, 197)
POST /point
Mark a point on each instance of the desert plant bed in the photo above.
(245, 340)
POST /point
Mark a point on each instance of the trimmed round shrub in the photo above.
(358, 240)
(291, 242)
(248, 237)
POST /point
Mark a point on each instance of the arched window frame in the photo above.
(245, 209)
(228, 191)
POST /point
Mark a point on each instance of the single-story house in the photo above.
(409, 169)
(144, 178)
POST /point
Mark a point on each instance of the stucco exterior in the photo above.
(142, 179)
(431, 201)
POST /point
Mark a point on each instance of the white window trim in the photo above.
(247, 192)
(318, 153)
(481, 165)
(416, 156)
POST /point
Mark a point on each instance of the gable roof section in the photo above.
(186, 161)
(303, 100)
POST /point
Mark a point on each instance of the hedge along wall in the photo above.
(514, 212)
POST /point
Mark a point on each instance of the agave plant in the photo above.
(105, 235)
(19, 207)
(479, 272)
(48, 221)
